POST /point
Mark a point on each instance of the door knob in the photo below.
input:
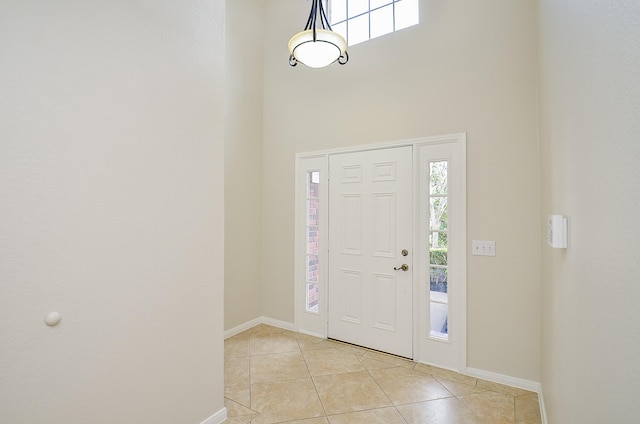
(403, 267)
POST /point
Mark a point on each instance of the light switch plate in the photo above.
(483, 248)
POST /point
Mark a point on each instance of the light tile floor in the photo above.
(279, 376)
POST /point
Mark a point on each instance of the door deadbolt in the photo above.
(403, 267)
(404, 252)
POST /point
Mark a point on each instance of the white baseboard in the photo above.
(543, 411)
(280, 324)
(217, 418)
(242, 327)
(257, 321)
(520, 383)
(431, 364)
(311, 333)
(532, 386)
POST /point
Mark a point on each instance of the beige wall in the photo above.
(111, 186)
(469, 66)
(590, 86)
(243, 162)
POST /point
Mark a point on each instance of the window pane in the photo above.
(357, 7)
(313, 184)
(438, 250)
(312, 268)
(312, 283)
(438, 215)
(374, 4)
(312, 297)
(338, 11)
(381, 21)
(438, 281)
(358, 30)
(313, 215)
(342, 30)
(313, 241)
(438, 256)
(438, 177)
(407, 13)
(437, 239)
(439, 314)
(371, 18)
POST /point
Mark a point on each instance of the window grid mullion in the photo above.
(369, 18)
(349, 17)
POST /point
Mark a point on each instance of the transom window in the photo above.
(362, 20)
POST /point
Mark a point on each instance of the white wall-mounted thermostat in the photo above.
(557, 231)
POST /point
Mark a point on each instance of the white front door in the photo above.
(370, 225)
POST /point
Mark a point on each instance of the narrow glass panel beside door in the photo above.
(438, 250)
(313, 239)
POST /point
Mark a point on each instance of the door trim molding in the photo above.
(428, 349)
(317, 323)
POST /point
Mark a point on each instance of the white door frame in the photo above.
(316, 323)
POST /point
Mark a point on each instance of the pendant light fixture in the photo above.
(317, 46)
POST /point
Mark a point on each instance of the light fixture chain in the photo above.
(323, 18)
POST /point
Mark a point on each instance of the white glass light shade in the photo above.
(327, 48)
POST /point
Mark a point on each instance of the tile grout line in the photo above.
(453, 396)
(313, 381)
(381, 389)
(514, 410)
(364, 356)
(468, 408)
(250, 389)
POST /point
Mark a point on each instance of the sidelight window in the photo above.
(438, 248)
(313, 240)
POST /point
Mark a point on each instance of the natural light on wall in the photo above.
(362, 20)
